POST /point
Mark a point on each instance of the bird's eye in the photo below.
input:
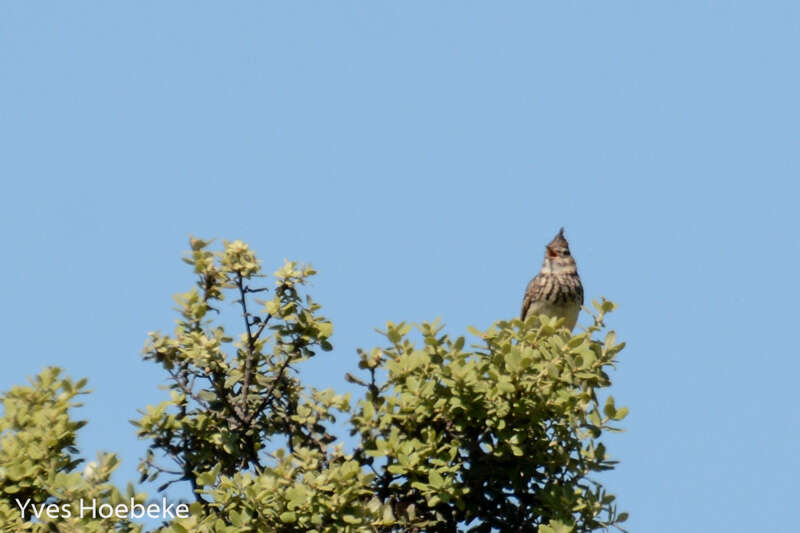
(566, 253)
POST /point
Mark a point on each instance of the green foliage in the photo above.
(306, 490)
(502, 435)
(230, 398)
(39, 462)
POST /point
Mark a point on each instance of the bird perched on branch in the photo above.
(556, 291)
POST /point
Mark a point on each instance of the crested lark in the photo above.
(556, 291)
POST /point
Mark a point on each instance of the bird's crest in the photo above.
(559, 241)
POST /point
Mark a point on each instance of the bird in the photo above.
(556, 291)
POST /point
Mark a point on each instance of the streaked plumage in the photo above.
(556, 290)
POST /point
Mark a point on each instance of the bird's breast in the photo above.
(569, 310)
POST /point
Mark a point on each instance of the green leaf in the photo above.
(556, 526)
(207, 395)
(609, 410)
(208, 478)
(475, 331)
(388, 516)
(396, 469)
(458, 345)
(611, 338)
(325, 329)
(608, 306)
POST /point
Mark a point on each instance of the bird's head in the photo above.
(557, 255)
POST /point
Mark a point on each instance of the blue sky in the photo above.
(420, 155)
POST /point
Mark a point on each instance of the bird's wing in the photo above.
(532, 293)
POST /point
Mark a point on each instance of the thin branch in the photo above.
(161, 470)
(268, 394)
(248, 364)
(260, 330)
(183, 384)
(248, 289)
(166, 485)
(216, 382)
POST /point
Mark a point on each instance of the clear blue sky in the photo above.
(420, 154)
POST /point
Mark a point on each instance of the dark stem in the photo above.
(268, 394)
(260, 329)
(248, 364)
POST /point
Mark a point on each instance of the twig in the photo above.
(248, 364)
(182, 382)
(268, 394)
(161, 469)
(260, 330)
